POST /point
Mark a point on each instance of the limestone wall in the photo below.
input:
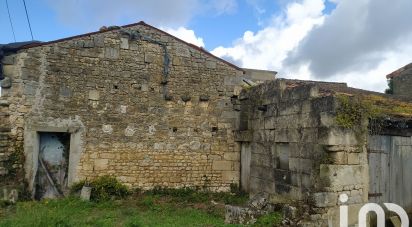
(298, 154)
(129, 120)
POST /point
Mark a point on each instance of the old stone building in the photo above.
(136, 102)
(139, 104)
(401, 81)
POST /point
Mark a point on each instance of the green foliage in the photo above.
(77, 187)
(147, 202)
(5, 203)
(103, 188)
(272, 219)
(389, 90)
(194, 195)
(352, 110)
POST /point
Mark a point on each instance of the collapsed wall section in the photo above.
(293, 149)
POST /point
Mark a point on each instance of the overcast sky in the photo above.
(353, 41)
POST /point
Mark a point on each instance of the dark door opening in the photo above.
(52, 171)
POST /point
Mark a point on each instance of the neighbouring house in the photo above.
(152, 110)
(400, 81)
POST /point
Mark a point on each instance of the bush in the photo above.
(103, 188)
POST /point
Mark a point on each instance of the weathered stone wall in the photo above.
(4, 136)
(133, 124)
(298, 153)
(11, 159)
(402, 84)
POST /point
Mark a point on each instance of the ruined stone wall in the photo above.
(133, 124)
(298, 153)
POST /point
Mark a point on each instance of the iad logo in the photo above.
(380, 213)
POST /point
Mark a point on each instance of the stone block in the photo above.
(231, 81)
(325, 199)
(65, 92)
(270, 123)
(149, 57)
(124, 43)
(98, 41)
(301, 165)
(6, 83)
(101, 164)
(337, 136)
(230, 176)
(340, 176)
(111, 53)
(9, 70)
(222, 165)
(258, 185)
(176, 61)
(30, 89)
(232, 156)
(243, 136)
(210, 64)
(107, 156)
(260, 160)
(309, 135)
(290, 110)
(327, 119)
(356, 158)
(94, 95)
(195, 145)
(340, 158)
(88, 44)
(287, 135)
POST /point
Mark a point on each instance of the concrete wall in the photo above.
(298, 154)
(134, 123)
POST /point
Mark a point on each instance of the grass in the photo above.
(147, 210)
(158, 207)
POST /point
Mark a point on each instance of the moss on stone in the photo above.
(354, 108)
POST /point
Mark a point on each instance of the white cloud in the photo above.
(267, 48)
(358, 43)
(223, 6)
(375, 78)
(186, 35)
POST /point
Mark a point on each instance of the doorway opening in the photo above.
(51, 179)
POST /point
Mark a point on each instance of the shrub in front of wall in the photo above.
(103, 188)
